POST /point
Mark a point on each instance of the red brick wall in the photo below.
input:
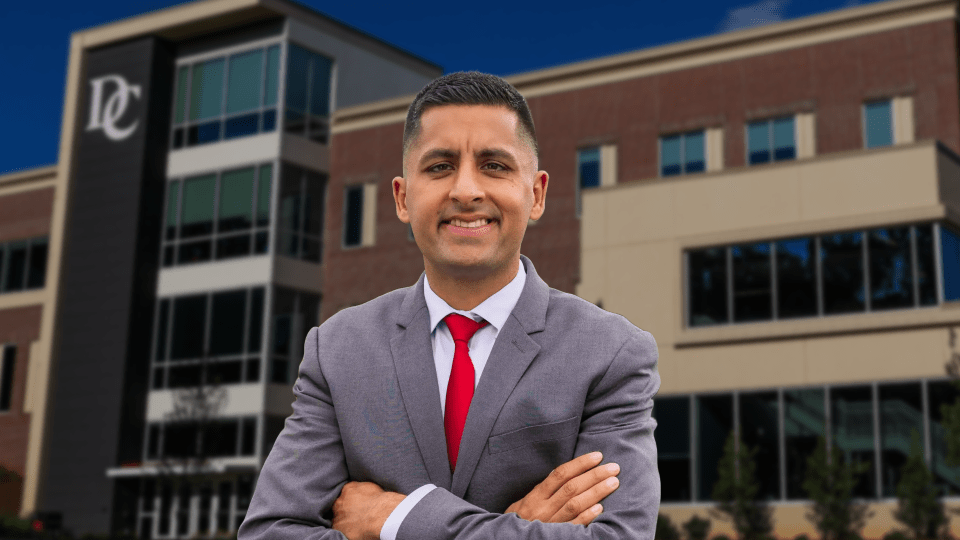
(832, 80)
(19, 327)
(26, 214)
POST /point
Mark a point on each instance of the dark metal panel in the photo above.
(108, 282)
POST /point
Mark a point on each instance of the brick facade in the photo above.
(832, 80)
(26, 214)
(19, 327)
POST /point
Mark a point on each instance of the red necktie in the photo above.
(460, 387)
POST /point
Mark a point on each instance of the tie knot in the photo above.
(462, 328)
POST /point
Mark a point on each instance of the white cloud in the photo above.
(763, 12)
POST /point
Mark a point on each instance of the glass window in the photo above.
(891, 271)
(353, 216)
(222, 438)
(294, 314)
(901, 415)
(752, 300)
(223, 98)
(173, 200)
(950, 251)
(708, 286)
(249, 442)
(796, 278)
(256, 320)
(714, 425)
(206, 97)
(771, 140)
(760, 429)
(37, 271)
(804, 422)
(301, 213)
(189, 321)
(673, 447)
(851, 411)
(878, 123)
(684, 153)
(6, 376)
(197, 217)
(588, 172)
(841, 256)
(946, 477)
(244, 81)
(162, 321)
(236, 200)
(307, 93)
(926, 265)
(16, 266)
(226, 325)
(263, 195)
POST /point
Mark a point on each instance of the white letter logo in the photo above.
(105, 115)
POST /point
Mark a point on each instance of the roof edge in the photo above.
(44, 172)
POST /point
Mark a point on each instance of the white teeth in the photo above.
(470, 225)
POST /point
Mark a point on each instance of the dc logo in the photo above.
(105, 114)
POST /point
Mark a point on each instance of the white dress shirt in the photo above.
(495, 310)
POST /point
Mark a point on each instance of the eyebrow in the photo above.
(483, 153)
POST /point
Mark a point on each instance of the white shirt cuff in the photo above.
(392, 526)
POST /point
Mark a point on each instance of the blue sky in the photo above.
(501, 38)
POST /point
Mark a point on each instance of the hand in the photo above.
(362, 508)
(571, 493)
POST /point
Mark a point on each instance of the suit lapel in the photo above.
(417, 374)
(512, 353)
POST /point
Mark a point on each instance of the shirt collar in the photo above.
(495, 309)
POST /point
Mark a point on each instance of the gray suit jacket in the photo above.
(564, 378)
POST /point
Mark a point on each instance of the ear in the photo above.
(539, 195)
(400, 198)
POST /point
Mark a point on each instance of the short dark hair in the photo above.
(469, 88)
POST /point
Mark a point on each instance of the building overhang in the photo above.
(157, 469)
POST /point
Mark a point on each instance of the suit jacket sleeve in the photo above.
(616, 421)
(306, 469)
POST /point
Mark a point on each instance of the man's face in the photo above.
(471, 185)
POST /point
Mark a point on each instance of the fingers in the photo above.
(588, 515)
(585, 491)
(568, 471)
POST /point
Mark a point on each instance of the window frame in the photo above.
(361, 188)
(579, 180)
(863, 123)
(226, 53)
(8, 376)
(683, 152)
(770, 136)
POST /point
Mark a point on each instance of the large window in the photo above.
(23, 264)
(300, 223)
(217, 216)
(214, 508)
(307, 106)
(203, 438)
(878, 123)
(294, 314)
(683, 153)
(588, 172)
(208, 339)
(785, 426)
(226, 97)
(849, 272)
(771, 140)
(8, 357)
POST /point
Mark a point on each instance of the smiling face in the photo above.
(471, 185)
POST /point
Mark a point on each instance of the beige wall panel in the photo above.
(642, 284)
(753, 199)
(877, 356)
(593, 231)
(790, 519)
(640, 215)
(949, 171)
(872, 182)
(592, 286)
(742, 366)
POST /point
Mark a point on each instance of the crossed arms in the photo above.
(304, 476)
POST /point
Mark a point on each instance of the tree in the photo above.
(697, 528)
(951, 412)
(736, 492)
(917, 504)
(829, 483)
(666, 530)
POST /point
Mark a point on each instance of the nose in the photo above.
(466, 187)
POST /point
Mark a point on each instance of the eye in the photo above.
(439, 167)
(494, 166)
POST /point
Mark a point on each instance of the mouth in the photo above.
(473, 228)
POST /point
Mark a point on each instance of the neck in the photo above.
(466, 290)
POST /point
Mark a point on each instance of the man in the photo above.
(474, 404)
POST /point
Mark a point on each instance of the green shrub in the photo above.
(666, 530)
(697, 528)
(896, 535)
(721, 537)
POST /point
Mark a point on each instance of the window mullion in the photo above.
(774, 289)
(938, 261)
(729, 284)
(865, 257)
(818, 261)
(914, 266)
